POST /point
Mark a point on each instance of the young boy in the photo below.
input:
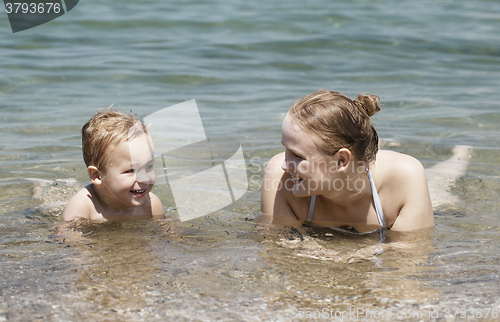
(118, 153)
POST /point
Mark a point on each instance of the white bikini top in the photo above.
(376, 202)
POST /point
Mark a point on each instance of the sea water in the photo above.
(435, 66)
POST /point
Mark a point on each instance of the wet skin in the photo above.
(400, 181)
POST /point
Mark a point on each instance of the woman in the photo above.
(332, 172)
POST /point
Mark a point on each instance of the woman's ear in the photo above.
(94, 175)
(344, 157)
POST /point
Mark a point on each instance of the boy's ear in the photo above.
(343, 160)
(94, 175)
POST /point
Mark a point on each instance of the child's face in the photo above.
(129, 176)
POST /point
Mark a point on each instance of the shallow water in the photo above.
(434, 64)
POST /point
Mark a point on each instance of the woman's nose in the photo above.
(287, 164)
(283, 165)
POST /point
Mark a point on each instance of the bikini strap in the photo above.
(376, 200)
(311, 208)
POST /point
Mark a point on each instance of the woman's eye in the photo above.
(294, 155)
(130, 171)
(297, 156)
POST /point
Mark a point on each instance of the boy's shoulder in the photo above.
(82, 205)
(86, 205)
(156, 206)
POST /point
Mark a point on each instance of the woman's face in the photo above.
(311, 170)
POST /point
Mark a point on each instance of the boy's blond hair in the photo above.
(106, 130)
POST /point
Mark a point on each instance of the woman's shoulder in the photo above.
(394, 164)
(397, 173)
(276, 199)
(273, 175)
(274, 164)
(404, 191)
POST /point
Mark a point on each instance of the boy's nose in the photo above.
(144, 176)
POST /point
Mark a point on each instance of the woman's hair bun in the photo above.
(368, 102)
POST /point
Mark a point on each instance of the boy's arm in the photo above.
(80, 206)
(156, 206)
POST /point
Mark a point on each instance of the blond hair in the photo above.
(335, 121)
(106, 130)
